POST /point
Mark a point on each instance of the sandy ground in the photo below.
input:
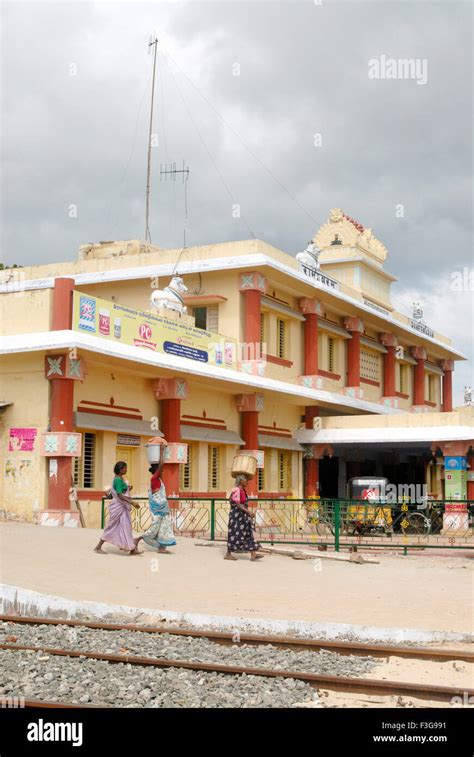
(431, 593)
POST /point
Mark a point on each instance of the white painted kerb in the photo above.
(15, 600)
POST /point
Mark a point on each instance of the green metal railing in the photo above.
(336, 523)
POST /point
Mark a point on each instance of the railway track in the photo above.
(288, 642)
(337, 683)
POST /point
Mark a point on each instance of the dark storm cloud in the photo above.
(303, 70)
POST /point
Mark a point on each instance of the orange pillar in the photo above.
(170, 392)
(250, 429)
(249, 405)
(61, 407)
(250, 437)
(252, 285)
(355, 328)
(171, 427)
(419, 353)
(447, 386)
(312, 478)
(389, 372)
(311, 344)
(311, 482)
(252, 307)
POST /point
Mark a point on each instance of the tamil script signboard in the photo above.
(142, 328)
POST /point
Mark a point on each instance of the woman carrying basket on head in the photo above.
(240, 530)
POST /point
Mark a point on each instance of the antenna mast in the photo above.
(153, 43)
(170, 171)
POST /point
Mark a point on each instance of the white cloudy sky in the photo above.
(81, 139)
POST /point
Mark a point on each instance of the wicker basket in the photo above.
(244, 465)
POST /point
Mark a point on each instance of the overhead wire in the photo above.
(242, 141)
(207, 149)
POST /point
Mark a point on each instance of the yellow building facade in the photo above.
(272, 350)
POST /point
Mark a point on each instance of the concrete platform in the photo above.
(416, 598)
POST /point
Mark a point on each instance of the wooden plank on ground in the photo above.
(305, 554)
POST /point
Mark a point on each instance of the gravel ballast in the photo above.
(36, 675)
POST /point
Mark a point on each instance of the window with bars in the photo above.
(261, 479)
(284, 471)
(281, 338)
(213, 469)
(431, 388)
(402, 377)
(331, 355)
(370, 365)
(262, 328)
(186, 471)
(84, 467)
(207, 319)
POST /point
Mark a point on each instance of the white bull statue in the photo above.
(310, 256)
(171, 297)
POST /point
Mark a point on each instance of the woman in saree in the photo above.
(119, 526)
(240, 530)
(160, 534)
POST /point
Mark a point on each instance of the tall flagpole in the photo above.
(153, 43)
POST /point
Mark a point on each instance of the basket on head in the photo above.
(154, 449)
(244, 465)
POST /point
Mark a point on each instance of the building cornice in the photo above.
(226, 263)
(51, 340)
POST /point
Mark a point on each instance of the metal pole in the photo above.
(337, 505)
(147, 208)
(213, 518)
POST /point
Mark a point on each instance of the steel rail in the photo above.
(338, 683)
(341, 647)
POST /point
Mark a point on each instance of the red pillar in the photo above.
(250, 437)
(249, 405)
(312, 478)
(448, 367)
(389, 372)
(311, 412)
(419, 353)
(252, 308)
(171, 427)
(252, 286)
(312, 469)
(311, 344)
(61, 408)
(170, 392)
(250, 429)
(355, 328)
(312, 309)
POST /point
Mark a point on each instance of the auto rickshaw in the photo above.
(370, 515)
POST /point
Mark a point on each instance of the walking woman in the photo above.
(240, 534)
(160, 534)
(119, 527)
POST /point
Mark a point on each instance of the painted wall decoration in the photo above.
(22, 439)
(142, 328)
(176, 452)
(63, 367)
(15, 469)
(61, 444)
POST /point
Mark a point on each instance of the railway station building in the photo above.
(310, 366)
